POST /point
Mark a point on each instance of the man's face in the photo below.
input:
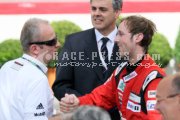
(125, 40)
(167, 101)
(103, 15)
(46, 51)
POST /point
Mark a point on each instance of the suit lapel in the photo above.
(92, 54)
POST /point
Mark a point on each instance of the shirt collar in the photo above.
(40, 64)
(130, 68)
(111, 36)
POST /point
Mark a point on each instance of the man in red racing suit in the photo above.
(132, 86)
(135, 93)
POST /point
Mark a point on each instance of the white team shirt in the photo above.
(24, 90)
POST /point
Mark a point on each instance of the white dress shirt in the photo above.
(110, 44)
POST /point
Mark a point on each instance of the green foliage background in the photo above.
(63, 28)
(10, 49)
(118, 20)
(160, 45)
(177, 48)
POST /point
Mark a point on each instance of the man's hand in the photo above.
(68, 103)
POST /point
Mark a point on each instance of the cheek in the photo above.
(51, 51)
(51, 54)
(132, 48)
(166, 109)
(124, 44)
(172, 107)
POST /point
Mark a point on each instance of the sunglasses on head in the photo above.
(51, 42)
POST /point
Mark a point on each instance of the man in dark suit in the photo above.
(89, 57)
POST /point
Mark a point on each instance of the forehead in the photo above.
(47, 32)
(45, 27)
(101, 3)
(123, 27)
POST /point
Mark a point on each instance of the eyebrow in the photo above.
(94, 7)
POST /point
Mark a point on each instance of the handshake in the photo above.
(68, 103)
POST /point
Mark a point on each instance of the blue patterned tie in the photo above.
(104, 52)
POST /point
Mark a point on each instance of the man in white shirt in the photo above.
(24, 90)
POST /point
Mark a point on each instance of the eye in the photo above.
(93, 8)
(103, 9)
(159, 101)
(120, 33)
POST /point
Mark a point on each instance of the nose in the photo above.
(116, 39)
(96, 12)
(58, 45)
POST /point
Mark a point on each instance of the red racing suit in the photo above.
(132, 90)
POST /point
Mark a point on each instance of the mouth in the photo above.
(97, 20)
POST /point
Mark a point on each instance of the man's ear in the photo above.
(138, 37)
(34, 49)
(117, 12)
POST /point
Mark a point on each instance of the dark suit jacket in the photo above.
(80, 69)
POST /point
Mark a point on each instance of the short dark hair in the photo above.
(139, 24)
(117, 4)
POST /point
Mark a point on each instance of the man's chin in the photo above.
(98, 26)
